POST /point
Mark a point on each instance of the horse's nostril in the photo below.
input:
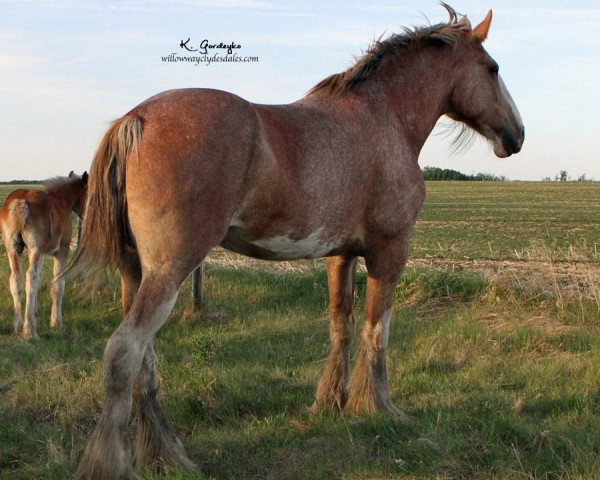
(522, 132)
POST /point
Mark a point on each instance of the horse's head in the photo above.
(480, 98)
(81, 184)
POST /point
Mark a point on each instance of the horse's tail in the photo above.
(105, 230)
(13, 225)
(18, 211)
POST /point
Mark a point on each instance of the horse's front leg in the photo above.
(332, 389)
(369, 391)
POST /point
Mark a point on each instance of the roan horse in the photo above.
(334, 175)
(40, 221)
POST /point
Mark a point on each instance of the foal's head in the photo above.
(480, 99)
(79, 192)
(71, 190)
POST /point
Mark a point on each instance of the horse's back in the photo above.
(192, 105)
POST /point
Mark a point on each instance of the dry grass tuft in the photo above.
(504, 323)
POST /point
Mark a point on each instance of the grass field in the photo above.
(494, 354)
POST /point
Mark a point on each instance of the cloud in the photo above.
(13, 62)
(141, 5)
(226, 3)
(542, 13)
(21, 55)
(382, 8)
(325, 39)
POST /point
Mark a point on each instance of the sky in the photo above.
(67, 68)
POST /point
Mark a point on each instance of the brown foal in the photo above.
(39, 220)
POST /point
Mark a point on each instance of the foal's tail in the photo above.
(18, 211)
(12, 227)
(105, 230)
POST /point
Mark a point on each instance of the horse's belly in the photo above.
(279, 247)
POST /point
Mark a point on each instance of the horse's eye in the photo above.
(494, 68)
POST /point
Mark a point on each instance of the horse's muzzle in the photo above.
(513, 141)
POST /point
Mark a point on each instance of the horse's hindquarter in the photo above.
(186, 177)
(26, 214)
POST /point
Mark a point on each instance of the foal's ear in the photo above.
(84, 177)
(71, 174)
(480, 32)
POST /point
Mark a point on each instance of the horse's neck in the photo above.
(417, 90)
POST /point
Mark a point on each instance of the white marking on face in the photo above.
(510, 101)
(310, 247)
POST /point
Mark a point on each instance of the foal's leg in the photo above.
(332, 389)
(369, 391)
(32, 284)
(58, 285)
(107, 455)
(156, 443)
(16, 287)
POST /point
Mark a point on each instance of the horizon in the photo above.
(499, 178)
(68, 68)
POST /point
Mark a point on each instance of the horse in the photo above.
(39, 220)
(332, 175)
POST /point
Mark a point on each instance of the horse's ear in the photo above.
(480, 32)
(71, 174)
(84, 177)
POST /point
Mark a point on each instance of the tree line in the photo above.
(21, 182)
(435, 173)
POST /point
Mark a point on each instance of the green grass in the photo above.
(508, 220)
(498, 373)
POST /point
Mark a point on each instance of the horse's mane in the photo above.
(56, 183)
(371, 60)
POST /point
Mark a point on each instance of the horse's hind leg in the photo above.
(16, 286)
(107, 455)
(369, 392)
(32, 284)
(332, 389)
(58, 285)
(156, 443)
